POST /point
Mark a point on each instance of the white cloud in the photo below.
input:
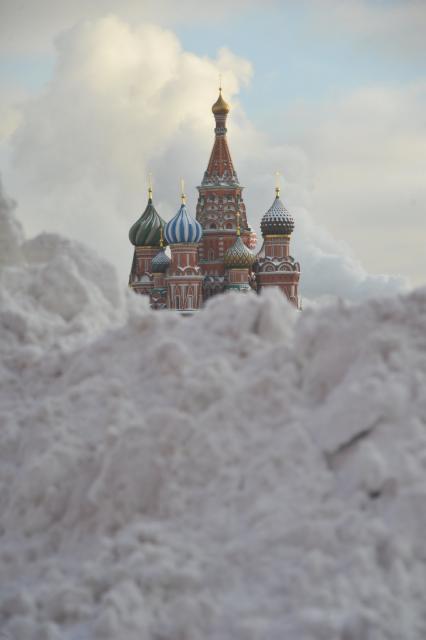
(125, 100)
(367, 154)
(396, 27)
(27, 26)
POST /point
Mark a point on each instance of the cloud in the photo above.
(367, 154)
(27, 26)
(127, 100)
(396, 27)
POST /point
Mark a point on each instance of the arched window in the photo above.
(213, 226)
(211, 254)
(228, 225)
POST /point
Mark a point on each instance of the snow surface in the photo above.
(248, 473)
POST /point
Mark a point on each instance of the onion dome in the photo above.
(183, 227)
(277, 220)
(239, 256)
(160, 262)
(220, 106)
(147, 230)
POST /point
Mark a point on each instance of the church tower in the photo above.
(220, 201)
(184, 279)
(238, 260)
(145, 235)
(275, 267)
(212, 252)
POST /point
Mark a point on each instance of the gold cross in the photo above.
(150, 186)
(182, 191)
(277, 183)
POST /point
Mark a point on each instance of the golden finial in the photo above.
(182, 191)
(277, 184)
(238, 223)
(220, 106)
(161, 236)
(150, 186)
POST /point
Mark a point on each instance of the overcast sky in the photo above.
(331, 93)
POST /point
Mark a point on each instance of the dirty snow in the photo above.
(248, 473)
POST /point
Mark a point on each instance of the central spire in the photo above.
(220, 170)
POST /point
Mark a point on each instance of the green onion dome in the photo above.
(239, 256)
(147, 230)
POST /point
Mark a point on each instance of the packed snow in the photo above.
(247, 473)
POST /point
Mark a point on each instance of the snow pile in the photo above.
(248, 473)
(53, 292)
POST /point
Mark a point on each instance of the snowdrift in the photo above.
(248, 473)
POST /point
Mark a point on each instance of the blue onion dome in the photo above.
(277, 220)
(239, 256)
(160, 262)
(147, 230)
(183, 227)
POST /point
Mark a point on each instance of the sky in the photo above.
(331, 93)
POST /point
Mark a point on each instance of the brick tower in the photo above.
(220, 200)
(275, 267)
(145, 235)
(238, 260)
(184, 279)
(160, 264)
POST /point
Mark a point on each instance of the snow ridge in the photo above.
(247, 473)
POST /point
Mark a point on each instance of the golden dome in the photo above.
(220, 106)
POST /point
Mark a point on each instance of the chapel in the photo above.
(213, 251)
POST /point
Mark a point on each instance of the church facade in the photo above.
(214, 251)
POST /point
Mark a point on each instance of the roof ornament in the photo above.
(149, 186)
(238, 223)
(182, 191)
(277, 184)
(161, 237)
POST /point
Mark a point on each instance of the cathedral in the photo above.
(212, 252)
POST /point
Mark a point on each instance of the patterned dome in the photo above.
(160, 262)
(239, 256)
(146, 230)
(277, 220)
(183, 228)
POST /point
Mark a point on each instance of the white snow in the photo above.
(248, 473)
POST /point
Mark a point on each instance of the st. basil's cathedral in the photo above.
(212, 252)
